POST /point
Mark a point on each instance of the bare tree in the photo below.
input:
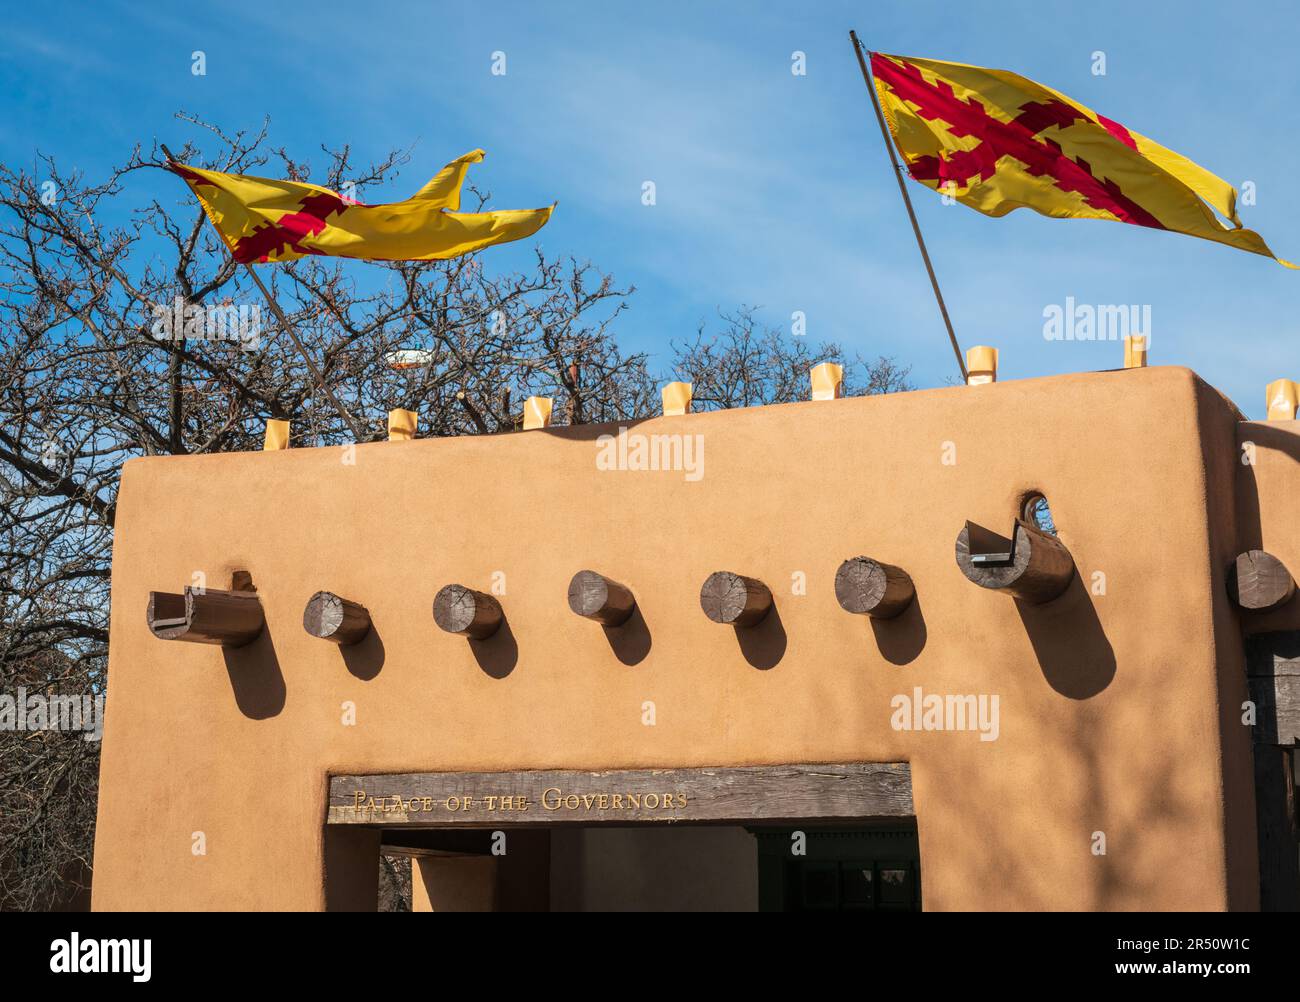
(86, 382)
(747, 363)
(395, 873)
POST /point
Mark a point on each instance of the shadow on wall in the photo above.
(589, 432)
(365, 658)
(763, 644)
(1226, 462)
(901, 639)
(499, 653)
(1279, 440)
(1250, 529)
(1068, 640)
(631, 641)
(1093, 826)
(255, 677)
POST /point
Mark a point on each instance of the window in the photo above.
(1036, 511)
(840, 870)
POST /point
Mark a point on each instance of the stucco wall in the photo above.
(1268, 486)
(1116, 710)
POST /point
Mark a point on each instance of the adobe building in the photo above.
(979, 714)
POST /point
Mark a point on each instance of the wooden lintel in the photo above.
(710, 795)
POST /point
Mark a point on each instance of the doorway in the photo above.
(807, 837)
(607, 868)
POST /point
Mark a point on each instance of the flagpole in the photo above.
(320, 378)
(288, 329)
(907, 201)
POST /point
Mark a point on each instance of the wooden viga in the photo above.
(1033, 565)
(1258, 581)
(336, 619)
(868, 587)
(469, 613)
(596, 597)
(206, 616)
(735, 600)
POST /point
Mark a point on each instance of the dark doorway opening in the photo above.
(671, 867)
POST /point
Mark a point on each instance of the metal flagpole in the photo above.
(907, 201)
(288, 329)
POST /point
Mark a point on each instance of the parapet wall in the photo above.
(1118, 703)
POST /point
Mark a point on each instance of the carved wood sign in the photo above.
(640, 796)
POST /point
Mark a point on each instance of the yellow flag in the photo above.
(263, 220)
(996, 141)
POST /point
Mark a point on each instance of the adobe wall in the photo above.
(1268, 488)
(1119, 712)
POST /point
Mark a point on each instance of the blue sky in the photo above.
(772, 189)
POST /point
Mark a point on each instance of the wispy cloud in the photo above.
(771, 189)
